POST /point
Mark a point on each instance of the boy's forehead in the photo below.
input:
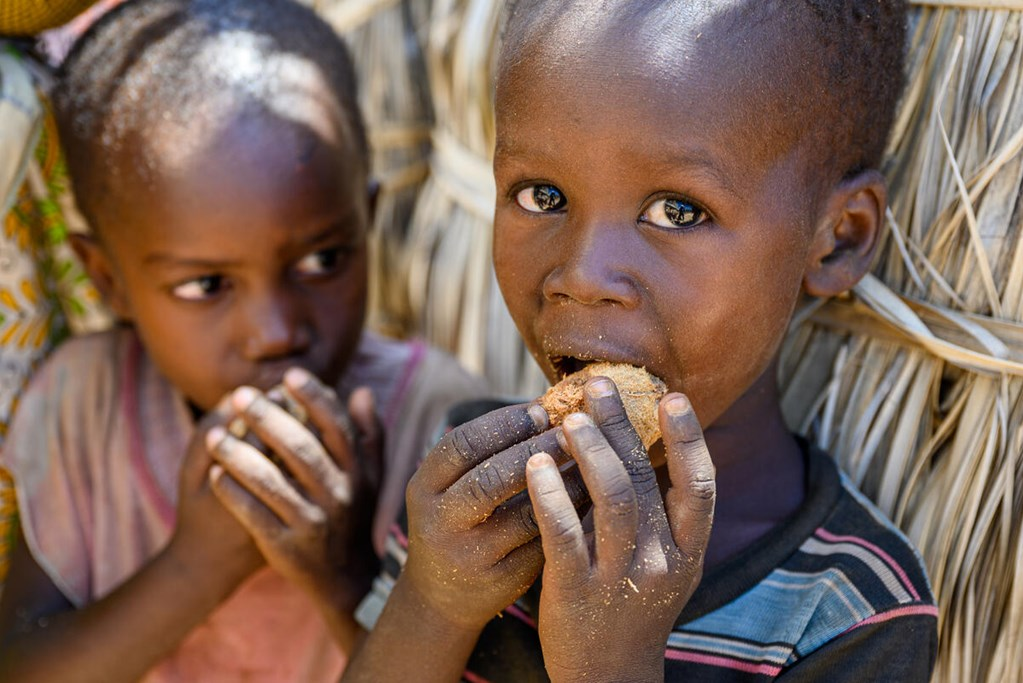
(640, 62)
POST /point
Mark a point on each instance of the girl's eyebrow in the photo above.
(160, 258)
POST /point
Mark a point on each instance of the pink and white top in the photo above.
(95, 449)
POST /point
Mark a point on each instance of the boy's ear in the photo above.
(847, 235)
(96, 261)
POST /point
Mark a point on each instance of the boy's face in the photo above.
(245, 260)
(645, 214)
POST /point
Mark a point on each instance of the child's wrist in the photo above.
(212, 586)
(442, 622)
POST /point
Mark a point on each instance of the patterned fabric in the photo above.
(29, 17)
(43, 289)
(96, 449)
(836, 593)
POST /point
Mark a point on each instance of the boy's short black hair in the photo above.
(140, 65)
(855, 50)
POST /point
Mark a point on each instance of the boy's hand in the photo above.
(208, 542)
(473, 546)
(610, 601)
(312, 517)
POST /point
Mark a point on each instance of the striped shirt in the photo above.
(836, 593)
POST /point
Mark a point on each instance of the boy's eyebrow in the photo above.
(670, 160)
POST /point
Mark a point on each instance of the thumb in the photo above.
(690, 500)
(210, 430)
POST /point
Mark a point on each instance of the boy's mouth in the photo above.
(566, 365)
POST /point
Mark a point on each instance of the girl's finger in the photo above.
(250, 512)
(368, 435)
(616, 511)
(465, 447)
(255, 473)
(302, 453)
(690, 500)
(326, 414)
(561, 533)
(195, 469)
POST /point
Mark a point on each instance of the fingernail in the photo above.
(540, 418)
(678, 405)
(296, 378)
(539, 460)
(214, 437)
(576, 420)
(243, 397)
(600, 388)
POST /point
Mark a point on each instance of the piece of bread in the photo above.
(640, 392)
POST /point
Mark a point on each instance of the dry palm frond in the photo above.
(451, 282)
(384, 37)
(914, 382)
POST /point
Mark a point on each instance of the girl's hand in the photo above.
(473, 546)
(311, 517)
(609, 601)
(208, 544)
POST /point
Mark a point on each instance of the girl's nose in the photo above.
(275, 327)
(591, 268)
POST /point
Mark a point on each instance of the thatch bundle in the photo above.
(384, 36)
(451, 284)
(914, 382)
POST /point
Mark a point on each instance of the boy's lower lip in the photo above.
(567, 365)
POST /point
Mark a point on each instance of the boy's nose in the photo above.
(594, 269)
(275, 328)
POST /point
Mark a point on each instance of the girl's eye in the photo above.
(541, 199)
(319, 263)
(674, 213)
(200, 289)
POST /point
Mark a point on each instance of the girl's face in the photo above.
(644, 214)
(247, 260)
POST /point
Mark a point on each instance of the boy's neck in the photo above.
(760, 467)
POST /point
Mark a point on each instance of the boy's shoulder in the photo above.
(838, 573)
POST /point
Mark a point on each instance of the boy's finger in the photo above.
(514, 523)
(616, 510)
(561, 533)
(465, 447)
(301, 452)
(690, 500)
(326, 414)
(605, 406)
(475, 496)
(520, 567)
(255, 517)
(260, 477)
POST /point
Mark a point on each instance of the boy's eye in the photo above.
(200, 288)
(319, 263)
(541, 199)
(674, 213)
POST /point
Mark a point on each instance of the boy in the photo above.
(671, 176)
(219, 155)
